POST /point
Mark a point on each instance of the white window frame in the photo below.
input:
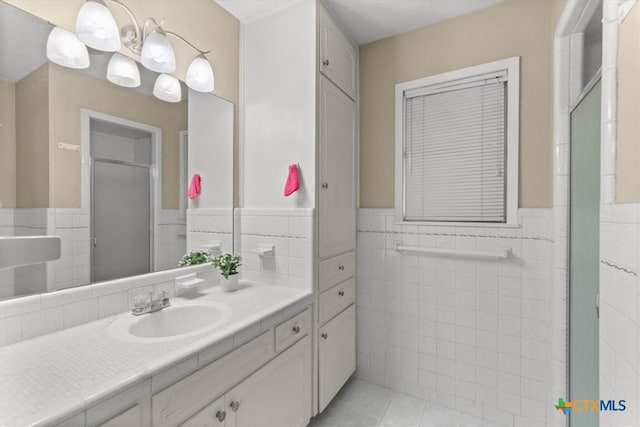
(512, 67)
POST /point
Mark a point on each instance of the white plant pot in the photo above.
(230, 284)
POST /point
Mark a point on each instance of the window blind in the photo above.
(455, 150)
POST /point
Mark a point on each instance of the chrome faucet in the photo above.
(143, 306)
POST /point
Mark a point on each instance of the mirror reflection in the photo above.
(102, 166)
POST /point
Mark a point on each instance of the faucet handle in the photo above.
(162, 294)
(139, 301)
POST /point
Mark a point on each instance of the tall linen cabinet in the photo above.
(337, 127)
(300, 106)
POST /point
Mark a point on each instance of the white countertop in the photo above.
(50, 378)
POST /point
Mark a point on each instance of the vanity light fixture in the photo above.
(96, 28)
(123, 71)
(64, 48)
(167, 88)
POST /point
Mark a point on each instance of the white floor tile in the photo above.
(363, 404)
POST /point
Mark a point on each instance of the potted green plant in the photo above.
(195, 258)
(228, 265)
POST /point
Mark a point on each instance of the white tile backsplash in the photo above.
(291, 233)
(458, 331)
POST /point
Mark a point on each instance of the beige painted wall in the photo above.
(104, 97)
(202, 22)
(32, 136)
(514, 28)
(7, 145)
(628, 140)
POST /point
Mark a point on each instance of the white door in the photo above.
(338, 124)
(337, 354)
(278, 395)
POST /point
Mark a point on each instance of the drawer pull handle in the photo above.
(325, 185)
(324, 336)
(341, 267)
(296, 329)
(221, 415)
(234, 405)
(341, 293)
(325, 62)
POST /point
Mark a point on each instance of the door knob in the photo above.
(234, 405)
(325, 185)
(221, 415)
(296, 329)
(325, 62)
(341, 267)
(341, 293)
(324, 336)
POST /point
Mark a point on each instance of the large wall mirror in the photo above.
(106, 168)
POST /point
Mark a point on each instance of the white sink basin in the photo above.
(178, 321)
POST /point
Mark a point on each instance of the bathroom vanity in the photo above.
(253, 368)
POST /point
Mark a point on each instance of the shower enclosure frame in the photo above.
(86, 115)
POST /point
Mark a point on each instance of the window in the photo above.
(457, 146)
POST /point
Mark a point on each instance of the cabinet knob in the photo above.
(325, 62)
(324, 336)
(296, 329)
(325, 185)
(221, 415)
(234, 405)
(341, 267)
(341, 293)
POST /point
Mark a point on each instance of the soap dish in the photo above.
(189, 281)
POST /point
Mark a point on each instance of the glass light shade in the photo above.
(200, 75)
(64, 48)
(123, 71)
(167, 88)
(96, 27)
(157, 54)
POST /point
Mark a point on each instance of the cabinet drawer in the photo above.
(336, 270)
(336, 299)
(292, 330)
(180, 401)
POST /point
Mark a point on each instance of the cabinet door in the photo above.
(338, 57)
(211, 416)
(337, 354)
(338, 121)
(278, 395)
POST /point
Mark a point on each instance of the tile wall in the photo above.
(291, 233)
(467, 334)
(40, 314)
(620, 311)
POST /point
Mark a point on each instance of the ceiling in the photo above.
(369, 20)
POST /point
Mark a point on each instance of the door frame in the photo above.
(155, 170)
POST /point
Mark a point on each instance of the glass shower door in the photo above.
(584, 254)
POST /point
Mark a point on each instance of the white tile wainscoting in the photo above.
(620, 311)
(470, 335)
(72, 269)
(291, 233)
(35, 315)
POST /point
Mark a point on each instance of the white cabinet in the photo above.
(337, 200)
(277, 395)
(213, 415)
(337, 354)
(247, 387)
(338, 57)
